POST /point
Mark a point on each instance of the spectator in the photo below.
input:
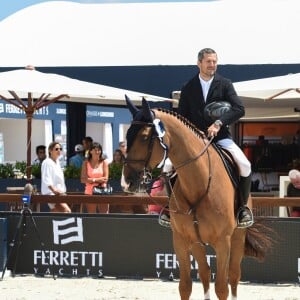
(123, 147)
(40, 151)
(158, 189)
(53, 181)
(86, 143)
(118, 158)
(115, 171)
(293, 190)
(162, 187)
(77, 159)
(95, 172)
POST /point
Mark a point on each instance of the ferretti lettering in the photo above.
(68, 258)
(169, 261)
(74, 272)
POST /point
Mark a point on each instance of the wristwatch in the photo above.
(218, 123)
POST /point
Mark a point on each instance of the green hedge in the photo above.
(18, 170)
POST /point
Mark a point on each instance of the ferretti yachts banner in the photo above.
(133, 246)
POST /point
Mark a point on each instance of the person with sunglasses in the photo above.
(95, 172)
(53, 180)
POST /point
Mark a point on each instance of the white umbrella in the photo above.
(271, 98)
(41, 89)
(279, 87)
(37, 83)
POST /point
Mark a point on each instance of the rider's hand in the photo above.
(213, 130)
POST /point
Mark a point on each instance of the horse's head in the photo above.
(145, 148)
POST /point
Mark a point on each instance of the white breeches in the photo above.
(238, 155)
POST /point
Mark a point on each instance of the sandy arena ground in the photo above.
(31, 288)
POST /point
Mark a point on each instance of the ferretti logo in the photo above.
(70, 260)
(167, 263)
(67, 231)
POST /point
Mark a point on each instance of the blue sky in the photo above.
(11, 6)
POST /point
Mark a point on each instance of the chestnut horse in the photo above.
(202, 202)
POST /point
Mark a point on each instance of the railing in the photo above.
(137, 199)
(118, 199)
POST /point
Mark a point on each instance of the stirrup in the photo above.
(164, 220)
(247, 223)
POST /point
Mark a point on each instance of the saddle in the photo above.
(229, 164)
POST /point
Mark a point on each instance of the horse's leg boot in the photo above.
(244, 214)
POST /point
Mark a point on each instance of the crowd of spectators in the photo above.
(95, 171)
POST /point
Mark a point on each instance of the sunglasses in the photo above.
(56, 149)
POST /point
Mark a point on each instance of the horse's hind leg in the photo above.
(183, 256)
(199, 253)
(236, 256)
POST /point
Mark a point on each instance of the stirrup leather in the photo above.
(244, 224)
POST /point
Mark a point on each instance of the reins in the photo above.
(193, 208)
(197, 156)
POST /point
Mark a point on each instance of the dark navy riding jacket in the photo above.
(191, 103)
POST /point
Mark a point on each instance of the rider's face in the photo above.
(208, 65)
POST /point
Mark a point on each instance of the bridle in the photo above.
(147, 177)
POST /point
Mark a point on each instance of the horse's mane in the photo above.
(184, 121)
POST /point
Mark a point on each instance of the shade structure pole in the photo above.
(29, 110)
(29, 130)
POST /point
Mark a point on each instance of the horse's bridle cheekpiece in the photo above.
(157, 131)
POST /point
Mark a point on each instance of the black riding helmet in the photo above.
(215, 110)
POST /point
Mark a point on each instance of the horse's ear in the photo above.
(147, 114)
(133, 109)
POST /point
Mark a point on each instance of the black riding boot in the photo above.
(244, 214)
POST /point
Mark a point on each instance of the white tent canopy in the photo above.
(274, 98)
(41, 89)
(272, 88)
(58, 33)
(23, 81)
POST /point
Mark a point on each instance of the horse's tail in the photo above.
(259, 240)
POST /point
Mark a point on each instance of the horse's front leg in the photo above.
(199, 253)
(182, 251)
(222, 249)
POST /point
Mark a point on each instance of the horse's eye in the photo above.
(144, 138)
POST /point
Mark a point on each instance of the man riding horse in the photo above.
(202, 103)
